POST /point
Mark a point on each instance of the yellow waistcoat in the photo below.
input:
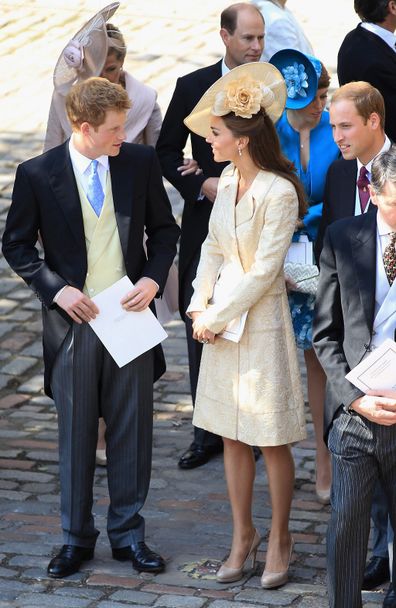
(104, 253)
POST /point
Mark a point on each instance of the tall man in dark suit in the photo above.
(356, 312)
(369, 53)
(91, 199)
(242, 32)
(357, 115)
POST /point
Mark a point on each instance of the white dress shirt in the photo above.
(385, 148)
(386, 35)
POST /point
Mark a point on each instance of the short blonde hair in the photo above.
(366, 99)
(88, 101)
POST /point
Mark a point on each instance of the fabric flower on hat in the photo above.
(243, 97)
(74, 54)
(296, 80)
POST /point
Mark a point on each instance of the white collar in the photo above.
(81, 162)
(385, 148)
(224, 68)
(382, 227)
(383, 33)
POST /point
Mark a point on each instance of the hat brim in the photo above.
(93, 37)
(287, 57)
(198, 121)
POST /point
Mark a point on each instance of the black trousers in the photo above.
(202, 438)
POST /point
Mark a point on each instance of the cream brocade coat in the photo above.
(250, 391)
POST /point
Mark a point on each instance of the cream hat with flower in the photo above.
(85, 55)
(244, 91)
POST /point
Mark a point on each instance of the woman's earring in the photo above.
(239, 151)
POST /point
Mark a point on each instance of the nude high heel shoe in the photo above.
(231, 575)
(270, 580)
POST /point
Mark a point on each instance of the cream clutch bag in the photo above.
(306, 276)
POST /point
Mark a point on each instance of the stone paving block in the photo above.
(135, 597)
(81, 592)
(228, 604)
(14, 495)
(108, 604)
(33, 385)
(4, 381)
(179, 601)
(49, 600)
(19, 366)
(276, 597)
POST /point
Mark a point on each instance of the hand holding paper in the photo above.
(125, 333)
(376, 408)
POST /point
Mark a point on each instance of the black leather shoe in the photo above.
(376, 573)
(142, 558)
(196, 456)
(69, 560)
(390, 598)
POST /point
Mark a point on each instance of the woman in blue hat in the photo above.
(306, 139)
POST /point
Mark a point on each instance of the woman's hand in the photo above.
(290, 284)
(190, 166)
(202, 334)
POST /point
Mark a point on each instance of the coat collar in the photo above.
(63, 183)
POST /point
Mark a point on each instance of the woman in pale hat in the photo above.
(249, 391)
(306, 139)
(143, 122)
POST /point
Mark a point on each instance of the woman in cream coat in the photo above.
(249, 392)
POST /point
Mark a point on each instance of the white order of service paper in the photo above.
(126, 335)
(377, 371)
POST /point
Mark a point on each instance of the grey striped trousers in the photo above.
(362, 452)
(86, 384)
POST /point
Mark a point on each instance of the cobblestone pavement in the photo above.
(187, 513)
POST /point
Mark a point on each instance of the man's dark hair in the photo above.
(373, 11)
(229, 17)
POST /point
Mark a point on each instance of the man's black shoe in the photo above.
(390, 598)
(196, 456)
(142, 558)
(69, 560)
(376, 573)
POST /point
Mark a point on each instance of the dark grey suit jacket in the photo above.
(45, 200)
(345, 303)
(365, 56)
(171, 143)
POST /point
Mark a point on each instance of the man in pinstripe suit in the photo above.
(356, 312)
(91, 199)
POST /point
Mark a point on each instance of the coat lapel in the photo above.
(122, 179)
(348, 188)
(63, 184)
(364, 245)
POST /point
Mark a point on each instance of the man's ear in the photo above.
(85, 128)
(373, 196)
(225, 36)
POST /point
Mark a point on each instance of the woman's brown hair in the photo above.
(264, 149)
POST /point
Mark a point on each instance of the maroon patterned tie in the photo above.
(390, 258)
(362, 184)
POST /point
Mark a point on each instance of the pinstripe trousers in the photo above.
(86, 384)
(362, 452)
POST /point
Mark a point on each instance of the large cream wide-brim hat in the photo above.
(264, 73)
(94, 40)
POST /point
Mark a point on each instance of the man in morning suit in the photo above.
(356, 313)
(369, 53)
(357, 115)
(91, 199)
(242, 32)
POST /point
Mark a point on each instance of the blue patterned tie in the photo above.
(94, 191)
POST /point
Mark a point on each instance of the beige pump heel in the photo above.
(231, 575)
(270, 580)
